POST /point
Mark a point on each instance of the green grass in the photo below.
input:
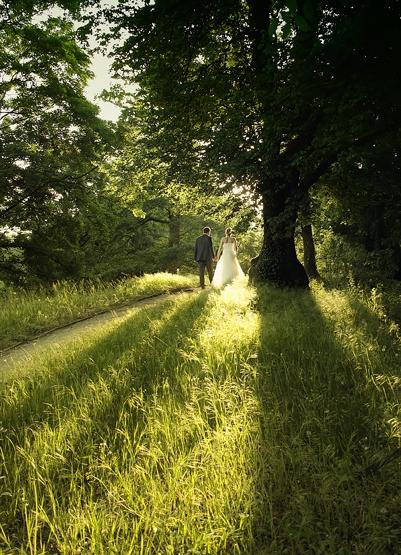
(23, 314)
(238, 422)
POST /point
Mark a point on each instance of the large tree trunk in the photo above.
(174, 229)
(309, 252)
(277, 262)
(374, 228)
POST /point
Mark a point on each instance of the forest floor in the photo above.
(241, 422)
(15, 359)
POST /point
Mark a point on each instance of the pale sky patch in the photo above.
(100, 66)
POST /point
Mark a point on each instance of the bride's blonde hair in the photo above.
(228, 232)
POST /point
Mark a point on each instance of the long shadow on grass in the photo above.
(154, 364)
(44, 402)
(35, 400)
(385, 354)
(124, 370)
(322, 418)
(40, 399)
(375, 330)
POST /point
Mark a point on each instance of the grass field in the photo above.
(241, 422)
(23, 314)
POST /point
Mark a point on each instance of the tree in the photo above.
(142, 179)
(360, 205)
(266, 93)
(51, 142)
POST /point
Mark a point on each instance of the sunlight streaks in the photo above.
(136, 429)
(204, 426)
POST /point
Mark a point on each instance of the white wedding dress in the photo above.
(228, 268)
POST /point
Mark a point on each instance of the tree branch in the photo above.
(71, 179)
(31, 247)
(311, 178)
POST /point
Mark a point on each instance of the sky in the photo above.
(101, 67)
(102, 80)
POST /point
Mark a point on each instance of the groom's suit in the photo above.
(204, 255)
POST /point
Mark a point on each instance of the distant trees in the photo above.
(141, 176)
(51, 143)
(357, 213)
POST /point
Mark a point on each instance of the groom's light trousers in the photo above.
(203, 264)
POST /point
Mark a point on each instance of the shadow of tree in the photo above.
(322, 418)
(154, 364)
(122, 367)
(33, 398)
(377, 329)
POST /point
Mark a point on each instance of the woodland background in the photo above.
(81, 197)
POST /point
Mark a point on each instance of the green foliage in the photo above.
(356, 221)
(249, 244)
(23, 10)
(167, 212)
(341, 259)
(262, 98)
(51, 144)
(261, 105)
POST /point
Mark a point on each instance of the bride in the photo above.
(228, 268)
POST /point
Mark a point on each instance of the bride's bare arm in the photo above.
(220, 249)
(235, 244)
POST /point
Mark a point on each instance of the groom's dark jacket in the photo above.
(204, 248)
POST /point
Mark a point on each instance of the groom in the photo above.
(204, 255)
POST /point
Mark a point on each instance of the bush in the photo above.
(341, 260)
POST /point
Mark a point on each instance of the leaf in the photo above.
(273, 28)
(138, 212)
(292, 5)
(301, 23)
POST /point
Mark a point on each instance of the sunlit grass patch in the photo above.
(25, 313)
(130, 441)
(237, 421)
(232, 330)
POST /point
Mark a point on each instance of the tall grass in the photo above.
(25, 313)
(239, 422)
(330, 386)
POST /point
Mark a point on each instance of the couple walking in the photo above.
(227, 268)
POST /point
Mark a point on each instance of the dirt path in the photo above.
(51, 341)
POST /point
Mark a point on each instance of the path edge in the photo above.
(110, 308)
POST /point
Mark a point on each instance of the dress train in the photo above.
(228, 268)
